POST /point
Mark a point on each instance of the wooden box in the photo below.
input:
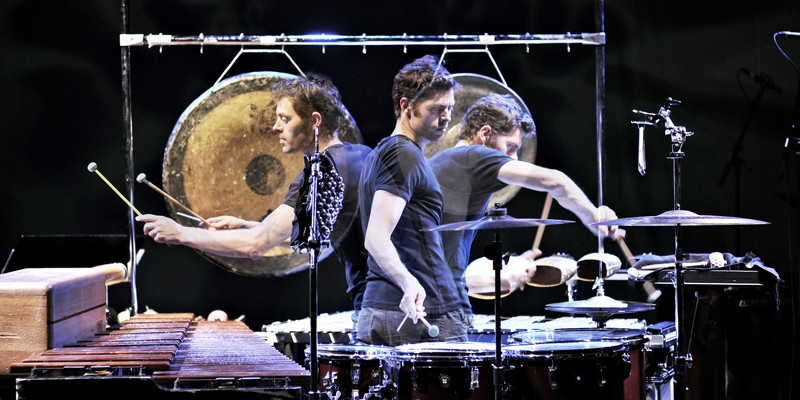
(45, 308)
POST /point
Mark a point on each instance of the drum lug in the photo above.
(602, 376)
(474, 378)
(552, 377)
(444, 381)
(355, 376)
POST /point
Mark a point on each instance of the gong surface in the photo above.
(223, 158)
(473, 87)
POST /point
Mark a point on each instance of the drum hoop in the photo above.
(354, 352)
(624, 335)
(542, 350)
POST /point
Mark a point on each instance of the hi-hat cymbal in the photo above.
(600, 308)
(496, 222)
(680, 217)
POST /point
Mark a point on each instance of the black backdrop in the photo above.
(62, 108)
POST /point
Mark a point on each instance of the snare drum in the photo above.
(438, 370)
(355, 371)
(634, 341)
(567, 370)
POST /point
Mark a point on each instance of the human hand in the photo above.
(413, 297)
(161, 229)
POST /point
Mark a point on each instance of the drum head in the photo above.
(446, 351)
(473, 87)
(580, 335)
(224, 159)
(563, 349)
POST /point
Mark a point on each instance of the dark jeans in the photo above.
(379, 327)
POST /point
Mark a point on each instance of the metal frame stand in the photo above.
(494, 251)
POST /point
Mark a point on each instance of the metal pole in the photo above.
(129, 173)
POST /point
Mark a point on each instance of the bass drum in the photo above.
(223, 158)
(473, 87)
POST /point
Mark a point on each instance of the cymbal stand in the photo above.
(678, 135)
(494, 251)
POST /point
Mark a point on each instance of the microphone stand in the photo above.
(735, 162)
(313, 258)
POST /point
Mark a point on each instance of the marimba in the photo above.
(157, 356)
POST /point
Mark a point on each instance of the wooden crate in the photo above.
(45, 308)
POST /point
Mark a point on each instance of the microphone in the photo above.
(762, 79)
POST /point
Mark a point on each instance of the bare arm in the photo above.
(253, 242)
(562, 188)
(386, 211)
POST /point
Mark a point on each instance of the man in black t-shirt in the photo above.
(483, 161)
(408, 277)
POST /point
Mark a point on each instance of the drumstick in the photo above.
(433, 330)
(93, 168)
(142, 178)
(652, 293)
(548, 201)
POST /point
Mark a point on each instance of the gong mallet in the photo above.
(93, 168)
(142, 178)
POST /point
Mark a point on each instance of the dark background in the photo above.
(62, 108)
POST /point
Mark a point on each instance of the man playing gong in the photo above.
(303, 106)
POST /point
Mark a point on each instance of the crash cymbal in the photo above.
(600, 308)
(473, 87)
(497, 222)
(680, 217)
(224, 159)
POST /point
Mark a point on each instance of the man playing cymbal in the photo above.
(483, 161)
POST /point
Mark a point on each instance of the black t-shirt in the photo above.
(467, 177)
(347, 238)
(397, 165)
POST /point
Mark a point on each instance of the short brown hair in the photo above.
(500, 112)
(314, 92)
(416, 78)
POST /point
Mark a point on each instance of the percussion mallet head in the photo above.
(433, 330)
(92, 167)
(652, 293)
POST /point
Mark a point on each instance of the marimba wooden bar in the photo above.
(174, 353)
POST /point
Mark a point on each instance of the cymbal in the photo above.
(680, 217)
(599, 307)
(496, 222)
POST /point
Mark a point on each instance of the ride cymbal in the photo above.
(680, 217)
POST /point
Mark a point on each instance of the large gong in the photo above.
(223, 158)
(473, 87)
